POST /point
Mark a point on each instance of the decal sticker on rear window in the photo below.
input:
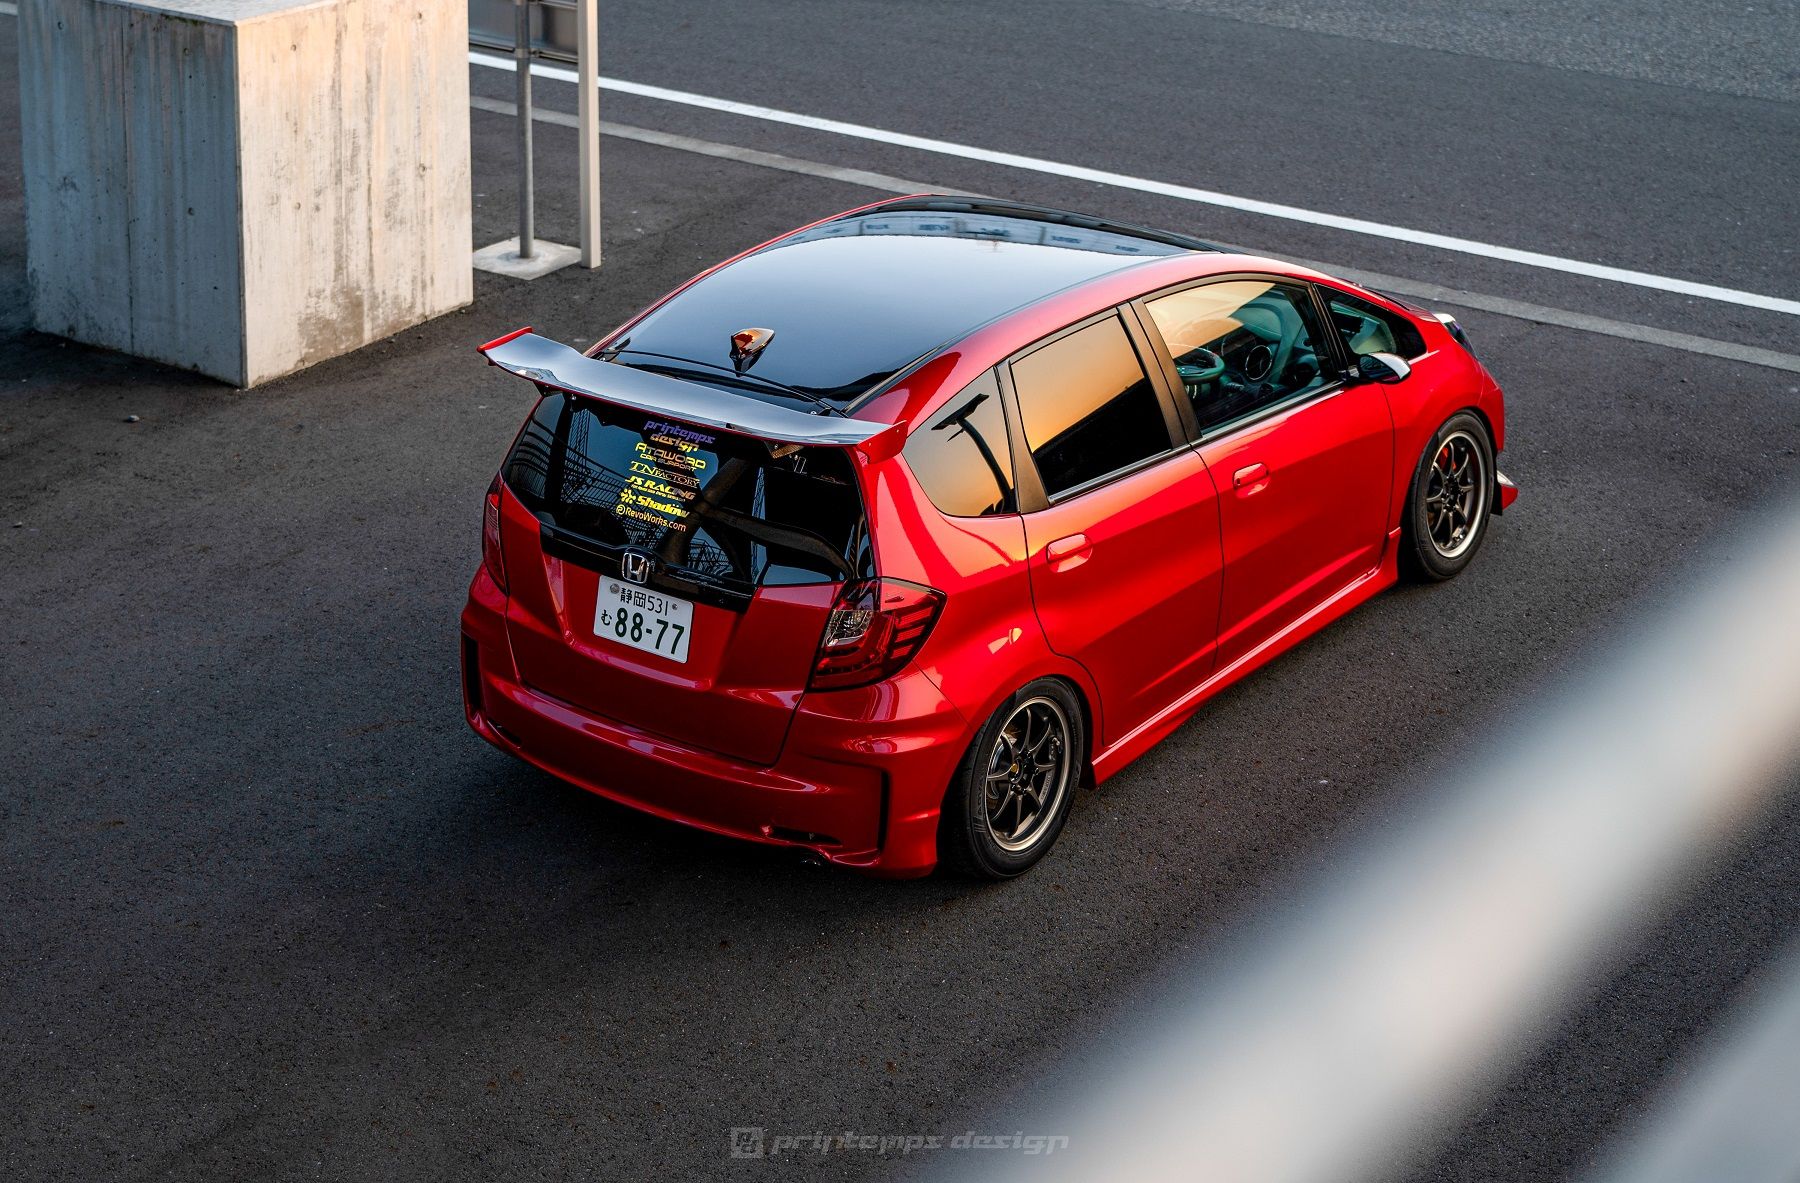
(668, 468)
(713, 508)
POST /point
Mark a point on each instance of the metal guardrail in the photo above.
(1335, 1040)
(554, 27)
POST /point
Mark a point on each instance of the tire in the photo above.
(999, 818)
(1450, 501)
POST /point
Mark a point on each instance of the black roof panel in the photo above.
(856, 299)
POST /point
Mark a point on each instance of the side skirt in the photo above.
(1146, 735)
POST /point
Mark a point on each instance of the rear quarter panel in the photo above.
(987, 643)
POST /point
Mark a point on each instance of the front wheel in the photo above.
(1450, 501)
(1012, 791)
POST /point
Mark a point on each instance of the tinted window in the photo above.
(1369, 328)
(962, 457)
(716, 508)
(1086, 406)
(1241, 345)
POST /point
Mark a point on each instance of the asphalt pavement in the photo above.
(271, 911)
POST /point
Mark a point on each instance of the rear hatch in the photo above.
(670, 575)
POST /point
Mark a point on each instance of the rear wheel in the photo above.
(1451, 498)
(1012, 791)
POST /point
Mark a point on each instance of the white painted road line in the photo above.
(1466, 246)
(774, 160)
(1418, 289)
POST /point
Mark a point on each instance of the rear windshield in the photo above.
(715, 508)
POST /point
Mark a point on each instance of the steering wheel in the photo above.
(1200, 365)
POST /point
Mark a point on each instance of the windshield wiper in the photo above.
(736, 375)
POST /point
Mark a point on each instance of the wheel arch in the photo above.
(1487, 421)
(1071, 675)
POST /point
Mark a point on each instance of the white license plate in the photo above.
(644, 618)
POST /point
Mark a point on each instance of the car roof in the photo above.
(855, 299)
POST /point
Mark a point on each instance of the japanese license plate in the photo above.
(644, 618)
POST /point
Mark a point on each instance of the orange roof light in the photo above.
(747, 343)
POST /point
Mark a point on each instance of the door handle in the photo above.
(1251, 479)
(1066, 554)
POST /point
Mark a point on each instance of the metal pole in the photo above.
(587, 107)
(522, 60)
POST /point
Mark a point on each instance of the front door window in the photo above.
(1242, 345)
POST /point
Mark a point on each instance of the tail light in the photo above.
(876, 626)
(491, 555)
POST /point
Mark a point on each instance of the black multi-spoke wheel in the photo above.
(1447, 512)
(1027, 773)
(1013, 789)
(1456, 489)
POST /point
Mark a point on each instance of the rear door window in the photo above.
(714, 508)
(962, 456)
(1087, 407)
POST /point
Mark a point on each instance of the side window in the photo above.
(1086, 406)
(962, 457)
(1241, 345)
(1369, 328)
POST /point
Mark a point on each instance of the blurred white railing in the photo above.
(1336, 1039)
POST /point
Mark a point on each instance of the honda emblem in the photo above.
(634, 566)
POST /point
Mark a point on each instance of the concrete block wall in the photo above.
(244, 187)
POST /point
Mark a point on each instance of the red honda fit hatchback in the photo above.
(880, 539)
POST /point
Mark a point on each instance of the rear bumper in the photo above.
(859, 780)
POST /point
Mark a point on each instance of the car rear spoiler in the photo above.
(550, 363)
